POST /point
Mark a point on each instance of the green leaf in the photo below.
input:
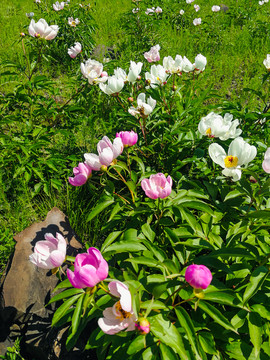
(255, 331)
(110, 239)
(77, 314)
(233, 194)
(105, 201)
(148, 232)
(143, 260)
(216, 315)
(168, 334)
(187, 324)
(124, 246)
(61, 311)
(207, 342)
(65, 294)
(222, 297)
(231, 252)
(63, 284)
(136, 345)
(167, 353)
(259, 214)
(197, 205)
(257, 278)
(262, 310)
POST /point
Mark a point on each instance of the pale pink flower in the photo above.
(158, 10)
(93, 71)
(120, 316)
(196, 7)
(149, 11)
(49, 253)
(189, 1)
(107, 152)
(157, 186)
(215, 8)
(41, 29)
(198, 276)
(135, 10)
(81, 174)
(153, 54)
(197, 21)
(89, 269)
(73, 51)
(266, 161)
(129, 138)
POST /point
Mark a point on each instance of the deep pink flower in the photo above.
(49, 253)
(143, 326)
(81, 174)
(129, 138)
(266, 161)
(157, 186)
(120, 316)
(198, 276)
(89, 269)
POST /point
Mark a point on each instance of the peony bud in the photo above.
(143, 326)
(198, 276)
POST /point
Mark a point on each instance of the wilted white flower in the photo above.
(158, 10)
(75, 50)
(157, 76)
(215, 8)
(214, 125)
(134, 71)
(59, 6)
(200, 63)
(30, 15)
(93, 71)
(144, 108)
(114, 85)
(42, 30)
(173, 66)
(73, 22)
(239, 153)
(181, 12)
(266, 62)
(196, 7)
(197, 21)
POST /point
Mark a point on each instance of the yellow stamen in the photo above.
(124, 314)
(231, 161)
(208, 132)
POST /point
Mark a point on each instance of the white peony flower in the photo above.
(144, 108)
(196, 7)
(153, 54)
(181, 12)
(92, 70)
(157, 76)
(266, 62)
(266, 161)
(189, 1)
(42, 29)
(59, 6)
(120, 74)
(200, 63)
(158, 10)
(186, 65)
(134, 71)
(75, 50)
(215, 8)
(149, 11)
(214, 125)
(73, 22)
(114, 85)
(173, 66)
(197, 21)
(239, 153)
(135, 10)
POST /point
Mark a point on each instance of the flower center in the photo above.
(122, 313)
(231, 161)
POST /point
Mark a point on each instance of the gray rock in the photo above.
(26, 289)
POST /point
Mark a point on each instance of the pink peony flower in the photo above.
(266, 161)
(129, 138)
(82, 172)
(198, 276)
(120, 316)
(157, 186)
(107, 152)
(89, 269)
(49, 253)
(153, 54)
